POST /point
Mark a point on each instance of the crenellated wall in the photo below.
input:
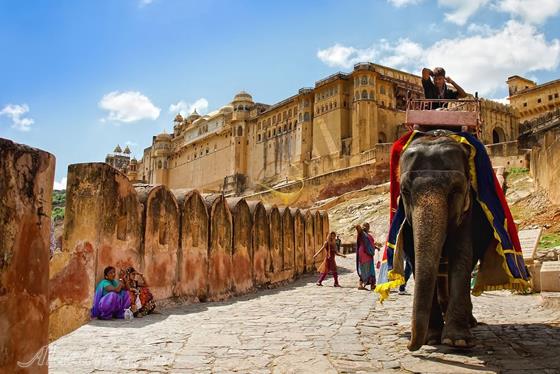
(196, 247)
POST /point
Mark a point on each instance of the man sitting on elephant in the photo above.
(437, 89)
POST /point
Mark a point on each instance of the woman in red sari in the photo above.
(329, 264)
(142, 300)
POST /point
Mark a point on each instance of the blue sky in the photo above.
(78, 77)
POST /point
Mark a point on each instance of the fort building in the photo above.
(532, 100)
(334, 125)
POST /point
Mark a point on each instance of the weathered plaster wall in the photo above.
(26, 180)
(545, 164)
(187, 245)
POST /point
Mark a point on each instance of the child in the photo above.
(329, 263)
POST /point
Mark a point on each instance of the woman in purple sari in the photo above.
(111, 299)
(365, 264)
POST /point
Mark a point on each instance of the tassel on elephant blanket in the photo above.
(501, 264)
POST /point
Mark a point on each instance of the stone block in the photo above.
(550, 276)
(535, 271)
(529, 240)
(26, 184)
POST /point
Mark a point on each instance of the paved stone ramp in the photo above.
(302, 328)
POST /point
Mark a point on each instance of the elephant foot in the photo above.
(434, 336)
(472, 321)
(457, 338)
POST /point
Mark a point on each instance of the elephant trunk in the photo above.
(429, 220)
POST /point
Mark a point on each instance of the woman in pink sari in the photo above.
(365, 263)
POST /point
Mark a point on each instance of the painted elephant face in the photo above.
(436, 170)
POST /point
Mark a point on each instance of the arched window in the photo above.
(306, 116)
(382, 90)
(159, 165)
(498, 135)
(371, 95)
(240, 131)
(364, 94)
(330, 106)
(344, 104)
(364, 80)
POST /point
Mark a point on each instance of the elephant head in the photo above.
(436, 195)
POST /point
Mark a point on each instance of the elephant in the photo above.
(448, 233)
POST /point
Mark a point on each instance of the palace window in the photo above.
(524, 104)
(344, 104)
(364, 80)
(549, 97)
(556, 95)
(539, 100)
(334, 104)
(289, 113)
(382, 90)
(273, 120)
(371, 95)
(364, 94)
(330, 106)
(306, 116)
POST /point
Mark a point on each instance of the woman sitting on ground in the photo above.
(110, 299)
(141, 297)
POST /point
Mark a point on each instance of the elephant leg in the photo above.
(435, 326)
(456, 331)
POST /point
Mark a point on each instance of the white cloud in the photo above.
(341, 56)
(129, 106)
(483, 62)
(15, 113)
(462, 9)
(533, 11)
(201, 106)
(478, 62)
(403, 3)
(60, 185)
(144, 3)
(130, 143)
(504, 100)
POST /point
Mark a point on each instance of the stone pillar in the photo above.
(102, 227)
(275, 220)
(193, 256)
(299, 240)
(242, 257)
(161, 239)
(309, 241)
(26, 183)
(219, 249)
(260, 234)
(320, 238)
(288, 242)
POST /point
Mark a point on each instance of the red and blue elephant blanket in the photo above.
(502, 265)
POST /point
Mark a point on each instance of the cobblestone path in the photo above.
(302, 328)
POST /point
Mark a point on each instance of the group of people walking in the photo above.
(365, 259)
